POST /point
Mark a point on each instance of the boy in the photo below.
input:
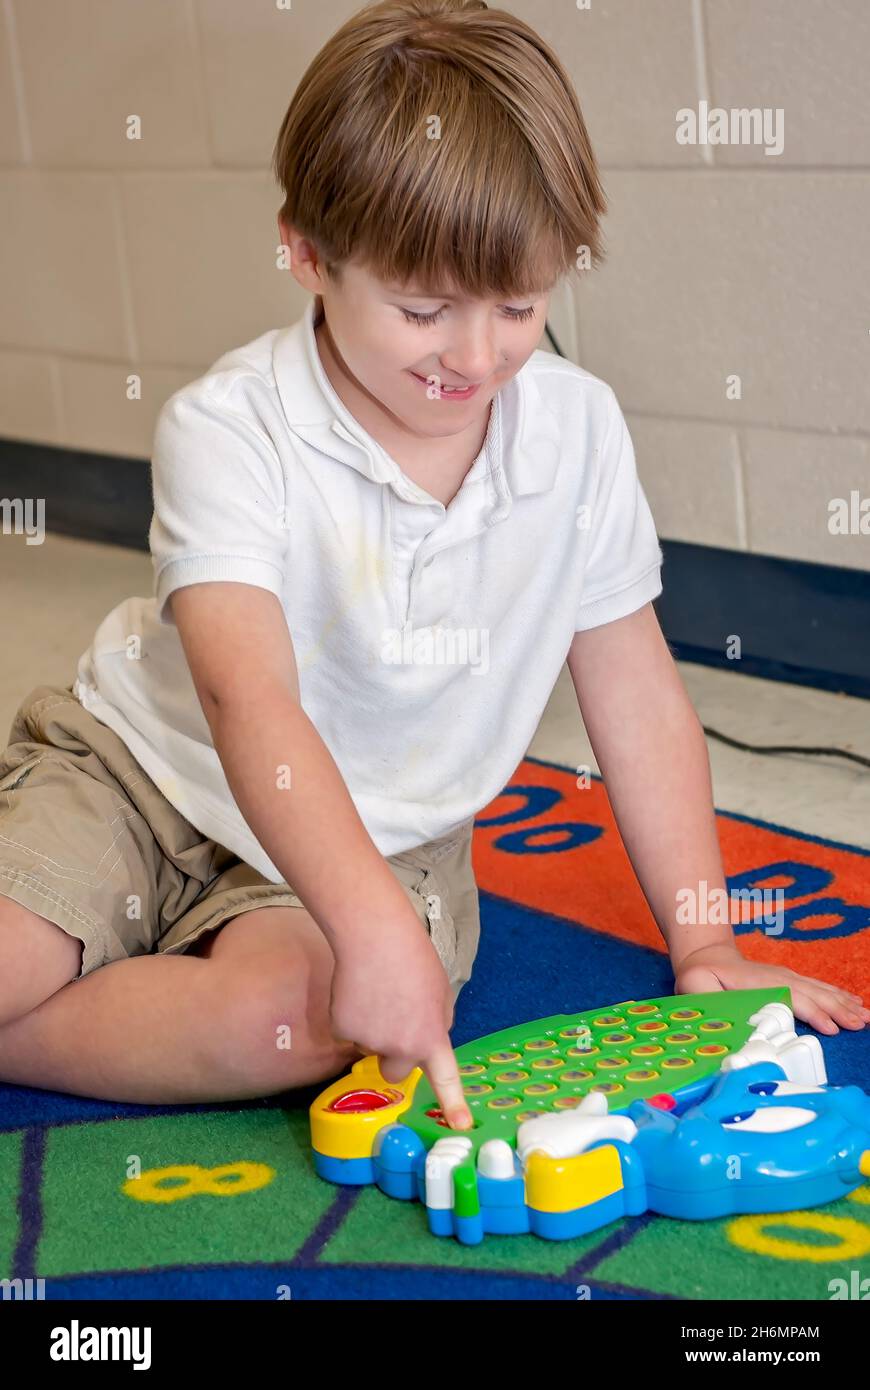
(399, 469)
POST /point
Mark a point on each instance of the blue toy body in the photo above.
(755, 1142)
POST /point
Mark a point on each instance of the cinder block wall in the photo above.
(148, 258)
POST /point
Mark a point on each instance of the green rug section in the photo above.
(213, 1188)
(783, 1255)
(382, 1231)
(10, 1169)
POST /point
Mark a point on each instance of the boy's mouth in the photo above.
(448, 393)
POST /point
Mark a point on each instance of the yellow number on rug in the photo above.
(192, 1179)
(750, 1233)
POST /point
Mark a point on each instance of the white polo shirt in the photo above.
(428, 638)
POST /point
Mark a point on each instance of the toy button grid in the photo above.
(553, 1072)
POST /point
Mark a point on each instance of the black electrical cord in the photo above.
(553, 340)
(768, 748)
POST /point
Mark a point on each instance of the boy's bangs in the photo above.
(464, 214)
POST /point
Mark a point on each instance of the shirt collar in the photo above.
(529, 431)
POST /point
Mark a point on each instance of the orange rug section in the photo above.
(552, 845)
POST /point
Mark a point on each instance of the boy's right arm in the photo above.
(390, 993)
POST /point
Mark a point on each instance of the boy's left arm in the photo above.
(651, 750)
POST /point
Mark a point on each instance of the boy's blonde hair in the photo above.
(497, 197)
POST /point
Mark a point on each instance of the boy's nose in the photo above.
(468, 364)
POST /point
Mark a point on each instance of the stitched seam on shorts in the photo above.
(49, 702)
(441, 853)
(436, 855)
(443, 850)
(417, 859)
(238, 907)
(89, 873)
(261, 899)
(21, 775)
(28, 880)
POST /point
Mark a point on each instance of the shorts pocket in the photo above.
(12, 778)
(69, 828)
(440, 923)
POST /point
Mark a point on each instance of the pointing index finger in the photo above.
(442, 1070)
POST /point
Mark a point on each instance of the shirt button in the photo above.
(427, 563)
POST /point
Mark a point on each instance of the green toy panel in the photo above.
(629, 1051)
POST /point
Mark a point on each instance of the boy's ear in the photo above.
(305, 262)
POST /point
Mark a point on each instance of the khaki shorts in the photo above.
(88, 841)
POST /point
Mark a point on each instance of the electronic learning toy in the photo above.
(694, 1106)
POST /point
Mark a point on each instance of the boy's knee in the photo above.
(271, 1027)
(37, 959)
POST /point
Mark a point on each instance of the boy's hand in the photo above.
(391, 996)
(820, 1005)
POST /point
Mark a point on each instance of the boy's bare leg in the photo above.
(206, 1025)
(53, 959)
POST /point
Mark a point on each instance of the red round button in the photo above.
(662, 1101)
(357, 1102)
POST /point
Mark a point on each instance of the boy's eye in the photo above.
(424, 320)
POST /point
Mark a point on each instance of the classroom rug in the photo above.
(228, 1204)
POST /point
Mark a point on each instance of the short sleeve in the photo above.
(219, 499)
(623, 566)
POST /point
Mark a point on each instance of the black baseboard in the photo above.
(798, 622)
(94, 497)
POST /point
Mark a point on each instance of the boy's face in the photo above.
(405, 349)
